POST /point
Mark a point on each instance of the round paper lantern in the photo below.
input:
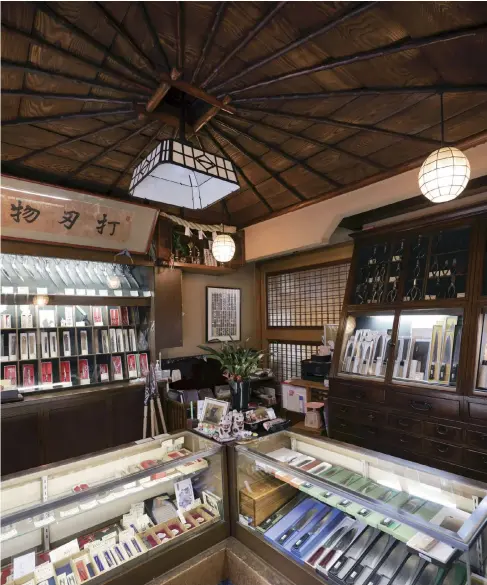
(444, 174)
(223, 248)
(113, 281)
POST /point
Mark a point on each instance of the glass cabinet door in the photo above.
(428, 347)
(366, 345)
(481, 379)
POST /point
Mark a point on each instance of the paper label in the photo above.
(7, 290)
(104, 376)
(142, 441)
(181, 516)
(118, 293)
(23, 290)
(91, 292)
(126, 534)
(461, 295)
(271, 414)
(70, 512)
(66, 550)
(41, 290)
(137, 508)
(44, 572)
(103, 293)
(81, 292)
(69, 291)
(146, 293)
(134, 293)
(24, 565)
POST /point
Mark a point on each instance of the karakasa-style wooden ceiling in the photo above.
(325, 96)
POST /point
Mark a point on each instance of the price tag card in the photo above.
(81, 292)
(41, 290)
(103, 293)
(69, 291)
(7, 290)
(134, 293)
(118, 293)
(44, 572)
(23, 290)
(91, 292)
(146, 293)
(24, 565)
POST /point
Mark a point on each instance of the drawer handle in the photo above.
(421, 405)
(403, 423)
(441, 430)
(371, 416)
(343, 409)
(359, 395)
(443, 449)
(371, 431)
(403, 440)
(343, 425)
(484, 459)
(483, 438)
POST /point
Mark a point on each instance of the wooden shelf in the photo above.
(203, 269)
(307, 384)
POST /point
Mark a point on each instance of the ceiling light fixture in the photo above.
(223, 248)
(446, 171)
(177, 173)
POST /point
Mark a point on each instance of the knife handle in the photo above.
(299, 543)
(285, 536)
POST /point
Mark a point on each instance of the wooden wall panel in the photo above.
(168, 308)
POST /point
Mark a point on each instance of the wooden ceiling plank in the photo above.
(239, 170)
(342, 17)
(155, 37)
(71, 140)
(122, 32)
(261, 24)
(208, 115)
(30, 68)
(146, 148)
(259, 163)
(44, 7)
(209, 39)
(342, 124)
(64, 96)
(300, 163)
(180, 40)
(397, 47)
(36, 120)
(360, 91)
(36, 39)
(110, 149)
(323, 146)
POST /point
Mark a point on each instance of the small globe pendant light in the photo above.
(223, 248)
(446, 171)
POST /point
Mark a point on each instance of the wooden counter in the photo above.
(52, 426)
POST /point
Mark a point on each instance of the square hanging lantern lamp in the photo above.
(180, 174)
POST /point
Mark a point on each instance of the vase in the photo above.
(240, 394)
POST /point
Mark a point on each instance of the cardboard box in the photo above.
(264, 498)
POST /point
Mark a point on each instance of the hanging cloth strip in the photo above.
(203, 227)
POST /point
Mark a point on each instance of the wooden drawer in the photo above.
(405, 423)
(442, 451)
(347, 411)
(371, 417)
(478, 410)
(417, 404)
(444, 432)
(363, 394)
(405, 441)
(476, 460)
(344, 426)
(477, 439)
(371, 433)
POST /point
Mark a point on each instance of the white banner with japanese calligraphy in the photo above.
(36, 212)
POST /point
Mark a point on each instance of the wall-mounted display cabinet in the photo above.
(110, 514)
(71, 323)
(410, 373)
(350, 516)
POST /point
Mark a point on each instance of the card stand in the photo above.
(67, 343)
(85, 341)
(26, 318)
(65, 373)
(29, 375)
(4, 357)
(63, 567)
(86, 370)
(44, 382)
(28, 579)
(118, 368)
(199, 516)
(114, 316)
(103, 368)
(8, 318)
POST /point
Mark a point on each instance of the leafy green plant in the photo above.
(238, 363)
(178, 247)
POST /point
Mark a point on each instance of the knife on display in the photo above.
(15, 269)
(434, 358)
(342, 545)
(371, 559)
(315, 530)
(445, 360)
(355, 551)
(297, 526)
(268, 522)
(457, 342)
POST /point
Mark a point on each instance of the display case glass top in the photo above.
(337, 502)
(113, 507)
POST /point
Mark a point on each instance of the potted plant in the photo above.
(238, 364)
(179, 249)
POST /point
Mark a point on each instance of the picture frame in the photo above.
(214, 410)
(223, 314)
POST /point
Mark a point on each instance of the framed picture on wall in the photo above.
(223, 313)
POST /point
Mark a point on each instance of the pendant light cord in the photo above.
(442, 120)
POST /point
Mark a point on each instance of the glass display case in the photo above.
(481, 379)
(99, 515)
(428, 346)
(71, 323)
(357, 517)
(366, 345)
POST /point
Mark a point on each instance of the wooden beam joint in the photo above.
(209, 114)
(161, 91)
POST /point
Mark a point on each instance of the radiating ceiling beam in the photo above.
(245, 41)
(209, 39)
(155, 37)
(340, 124)
(240, 171)
(208, 115)
(64, 96)
(259, 163)
(166, 117)
(322, 145)
(180, 40)
(397, 47)
(106, 151)
(361, 91)
(161, 92)
(73, 139)
(36, 39)
(80, 33)
(337, 20)
(30, 68)
(295, 161)
(128, 38)
(57, 117)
